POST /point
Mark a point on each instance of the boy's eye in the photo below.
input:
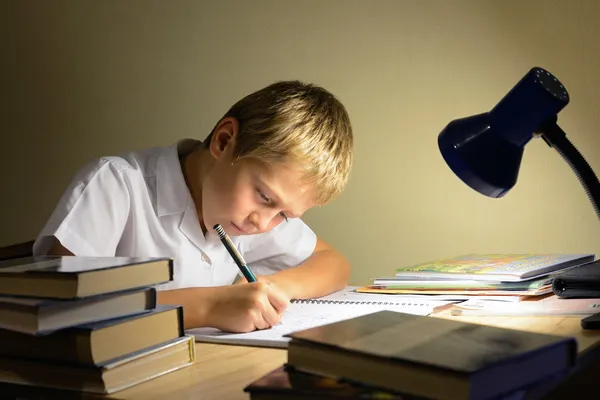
(268, 201)
(264, 196)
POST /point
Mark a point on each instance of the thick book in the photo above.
(495, 267)
(72, 277)
(37, 316)
(109, 378)
(430, 357)
(98, 343)
(578, 282)
(285, 382)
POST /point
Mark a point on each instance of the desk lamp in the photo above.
(485, 150)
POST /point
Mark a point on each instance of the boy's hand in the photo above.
(244, 308)
(242, 279)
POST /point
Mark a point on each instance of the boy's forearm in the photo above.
(195, 302)
(325, 271)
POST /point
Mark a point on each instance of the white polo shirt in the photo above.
(138, 205)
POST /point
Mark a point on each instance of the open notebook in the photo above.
(304, 314)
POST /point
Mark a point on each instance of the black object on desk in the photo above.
(591, 322)
(578, 282)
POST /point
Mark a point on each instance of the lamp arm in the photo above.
(555, 137)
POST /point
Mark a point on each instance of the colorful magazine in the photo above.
(495, 267)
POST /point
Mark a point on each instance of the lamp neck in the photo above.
(555, 137)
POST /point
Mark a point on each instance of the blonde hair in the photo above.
(298, 122)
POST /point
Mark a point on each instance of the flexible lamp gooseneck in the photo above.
(485, 150)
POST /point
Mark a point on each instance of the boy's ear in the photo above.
(223, 138)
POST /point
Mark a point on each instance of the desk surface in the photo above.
(222, 371)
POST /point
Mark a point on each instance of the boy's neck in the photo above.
(194, 166)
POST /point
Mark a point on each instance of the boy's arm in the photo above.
(325, 271)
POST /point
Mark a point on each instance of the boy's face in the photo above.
(249, 197)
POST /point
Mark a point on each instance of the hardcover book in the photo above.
(37, 316)
(109, 378)
(430, 357)
(100, 342)
(72, 277)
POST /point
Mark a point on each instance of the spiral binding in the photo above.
(355, 302)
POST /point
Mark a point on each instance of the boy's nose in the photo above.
(261, 220)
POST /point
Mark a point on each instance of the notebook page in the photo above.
(303, 315)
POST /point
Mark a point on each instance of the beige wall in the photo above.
(91, 78)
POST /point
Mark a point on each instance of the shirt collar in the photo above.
(173, 195)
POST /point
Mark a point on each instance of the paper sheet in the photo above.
(301, 316)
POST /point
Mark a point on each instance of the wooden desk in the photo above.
(222, 371)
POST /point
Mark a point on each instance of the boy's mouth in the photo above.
(238, 229)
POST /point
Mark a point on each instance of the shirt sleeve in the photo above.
(91, 214)
(287, 245)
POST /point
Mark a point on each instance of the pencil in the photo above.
(237, 257)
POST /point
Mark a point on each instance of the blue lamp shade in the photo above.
(485, 150)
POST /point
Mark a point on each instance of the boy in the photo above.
(275, 154)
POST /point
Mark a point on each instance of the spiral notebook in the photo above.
(304, 314)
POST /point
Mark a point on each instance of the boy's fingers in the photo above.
(278, 299)
(260, 322)
(271, 316)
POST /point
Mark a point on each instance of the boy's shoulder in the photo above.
(138, 162)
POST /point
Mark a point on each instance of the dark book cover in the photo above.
(426, 353)
(287, 381)
(72, 264)
(42, 309)
(40, 303)
(76, 277)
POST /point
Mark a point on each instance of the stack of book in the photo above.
(88, 324)
(508, 277)
(391, 355)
